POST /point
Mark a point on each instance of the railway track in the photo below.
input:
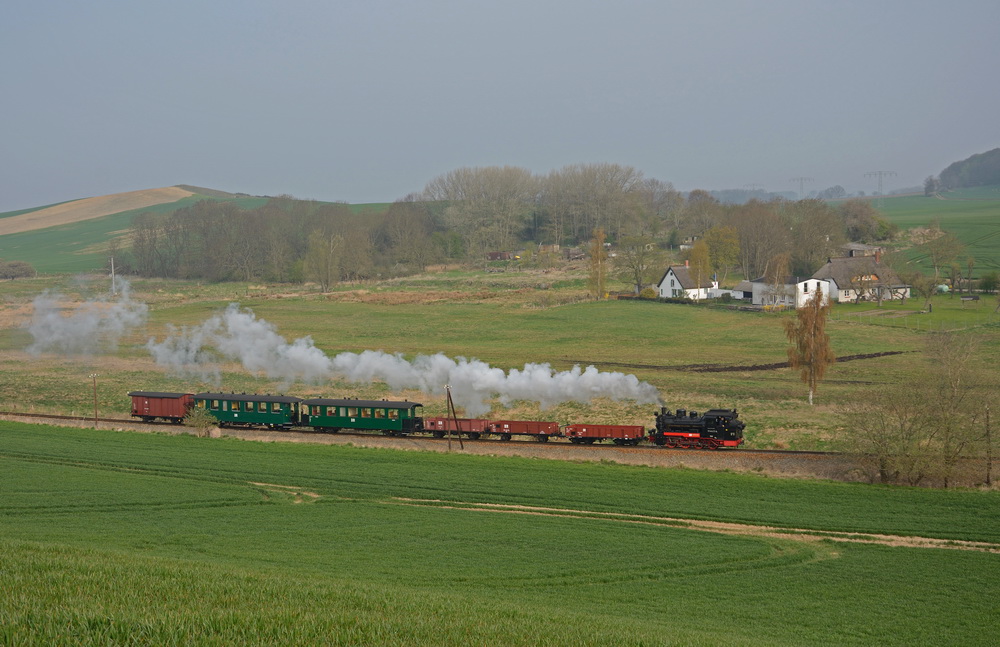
(430, 440)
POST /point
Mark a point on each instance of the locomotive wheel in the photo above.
(659, 441)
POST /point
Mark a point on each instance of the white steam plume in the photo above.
(88, 327)
(238, 335)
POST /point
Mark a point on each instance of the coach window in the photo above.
(316, 409)
(343, 412)
(331, 411)
(352, 412)
(393, 414)
(380, 413)
(276, 407)
(262, 407)
(215, 404)
(366, 413)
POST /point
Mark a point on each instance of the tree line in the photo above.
(466, 213)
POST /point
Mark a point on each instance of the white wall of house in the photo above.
(790, 295)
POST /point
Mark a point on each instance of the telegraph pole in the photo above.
(93, 376)
(880, 175)
(802, 182)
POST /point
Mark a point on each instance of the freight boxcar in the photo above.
(538, 429)
(150, 405)
(471, 427)
(620, 434)
(251, 410)
(391, 417)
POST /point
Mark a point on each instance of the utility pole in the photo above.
(93, 376)
(802, 183)
(114, 286)
(880, 175)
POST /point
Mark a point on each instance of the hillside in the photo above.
(90, 208)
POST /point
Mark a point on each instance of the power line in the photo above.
(880, 175)
(802, 181)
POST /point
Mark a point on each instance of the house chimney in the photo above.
(685, 263)
(878, 256)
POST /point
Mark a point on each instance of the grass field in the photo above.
(123, 538)
(498, 319)
(973, 215)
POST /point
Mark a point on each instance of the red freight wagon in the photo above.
(538, 428)
(150, 405)
(471, 427)
(620, 434)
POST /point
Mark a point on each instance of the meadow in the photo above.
(125, 538)
(503, 320)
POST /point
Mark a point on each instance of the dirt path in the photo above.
(89, 208)
(724, 528)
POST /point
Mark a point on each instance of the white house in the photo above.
(792, 293)
(677, 282)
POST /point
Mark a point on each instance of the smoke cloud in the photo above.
(238, 335)
(89, 327)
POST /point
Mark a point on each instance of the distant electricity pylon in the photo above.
(802, 182)
(880, 175)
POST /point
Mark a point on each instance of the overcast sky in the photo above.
(366, 101)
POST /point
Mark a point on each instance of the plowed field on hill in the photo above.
(89, 208)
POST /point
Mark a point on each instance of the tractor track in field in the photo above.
(721, 527)
(738, 368)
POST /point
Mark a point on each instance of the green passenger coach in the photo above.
(394, 418)
(249, 410)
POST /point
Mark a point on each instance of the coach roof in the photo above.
(246, 397)
(383, 404)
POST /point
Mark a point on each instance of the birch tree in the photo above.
(810, 352)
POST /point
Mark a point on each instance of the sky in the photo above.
(369, 100)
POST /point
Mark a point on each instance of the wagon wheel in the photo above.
(474, 435)
(439, 434)
(589, 441)
(542, 438)
(504, 436)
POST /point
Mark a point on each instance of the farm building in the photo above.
(861, 278)
(793, 292)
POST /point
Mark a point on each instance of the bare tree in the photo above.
(597, 280)
(638, 261)
(810, 352)
(942, 250)
(322, 260)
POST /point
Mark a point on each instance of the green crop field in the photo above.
(82, 246)
(973, 215)
(124, 538)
